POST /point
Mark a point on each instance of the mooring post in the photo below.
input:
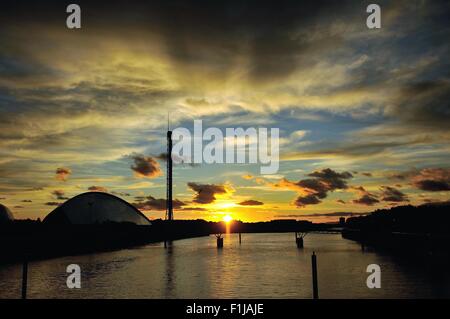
(240, 238)
(24, 279)
(299, 240)
(314, 276)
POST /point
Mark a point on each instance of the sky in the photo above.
(363, 113)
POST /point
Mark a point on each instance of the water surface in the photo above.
(263, 266)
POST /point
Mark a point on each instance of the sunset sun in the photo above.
(227, 218)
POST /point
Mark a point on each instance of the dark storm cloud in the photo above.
(367, 200)
(333, 180)
(427, 179)
(424, 104)
(433, 186)
(214, 32)
(52, 203)
(326, 180)
(391, 194)
(432, 179)
(145, 166)
(251, 202)
(314, 185)
(271, 33)
(313, 190)
(152, 203)
(59, 194)
(302, 201)
(206, 193)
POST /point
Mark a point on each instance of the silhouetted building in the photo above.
(5, 215)
(96, 208)
(342, 221)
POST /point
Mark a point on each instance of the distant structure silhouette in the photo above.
(5, 214)
(95, 208)
(169, 207)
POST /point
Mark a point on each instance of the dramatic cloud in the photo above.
(302, 201)
(251, 202)
(52, 204)
(366, 198)
(206, 193)
(341, 94)
(97, 189)
(332, 179)
(391, 194)
(59, 194)
(313, 190)
(145, 166)
(62, 173)
(432, 179)
(151, 203)
(427, 179)
(427, 102)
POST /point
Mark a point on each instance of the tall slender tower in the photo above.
(169, 208)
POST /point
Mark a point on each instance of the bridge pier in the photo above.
(299, 239)
(219, 241)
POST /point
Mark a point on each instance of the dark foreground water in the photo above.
(263, 266)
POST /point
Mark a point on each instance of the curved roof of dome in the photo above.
(96, 207)
(5, 214)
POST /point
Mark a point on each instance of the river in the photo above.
(263, 266)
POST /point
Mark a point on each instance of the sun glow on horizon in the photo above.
(227, 219)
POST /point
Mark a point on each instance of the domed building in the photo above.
(95, 208)
(5, 215)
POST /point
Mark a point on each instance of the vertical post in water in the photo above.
(219, 241)
(314, 276)
(24, 279)
(239, 238)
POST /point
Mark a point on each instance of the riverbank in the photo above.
(32, 241)
(415, 244)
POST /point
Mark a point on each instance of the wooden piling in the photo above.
(24, 279)
(314, 276)
(240, 240)
(299, 240)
